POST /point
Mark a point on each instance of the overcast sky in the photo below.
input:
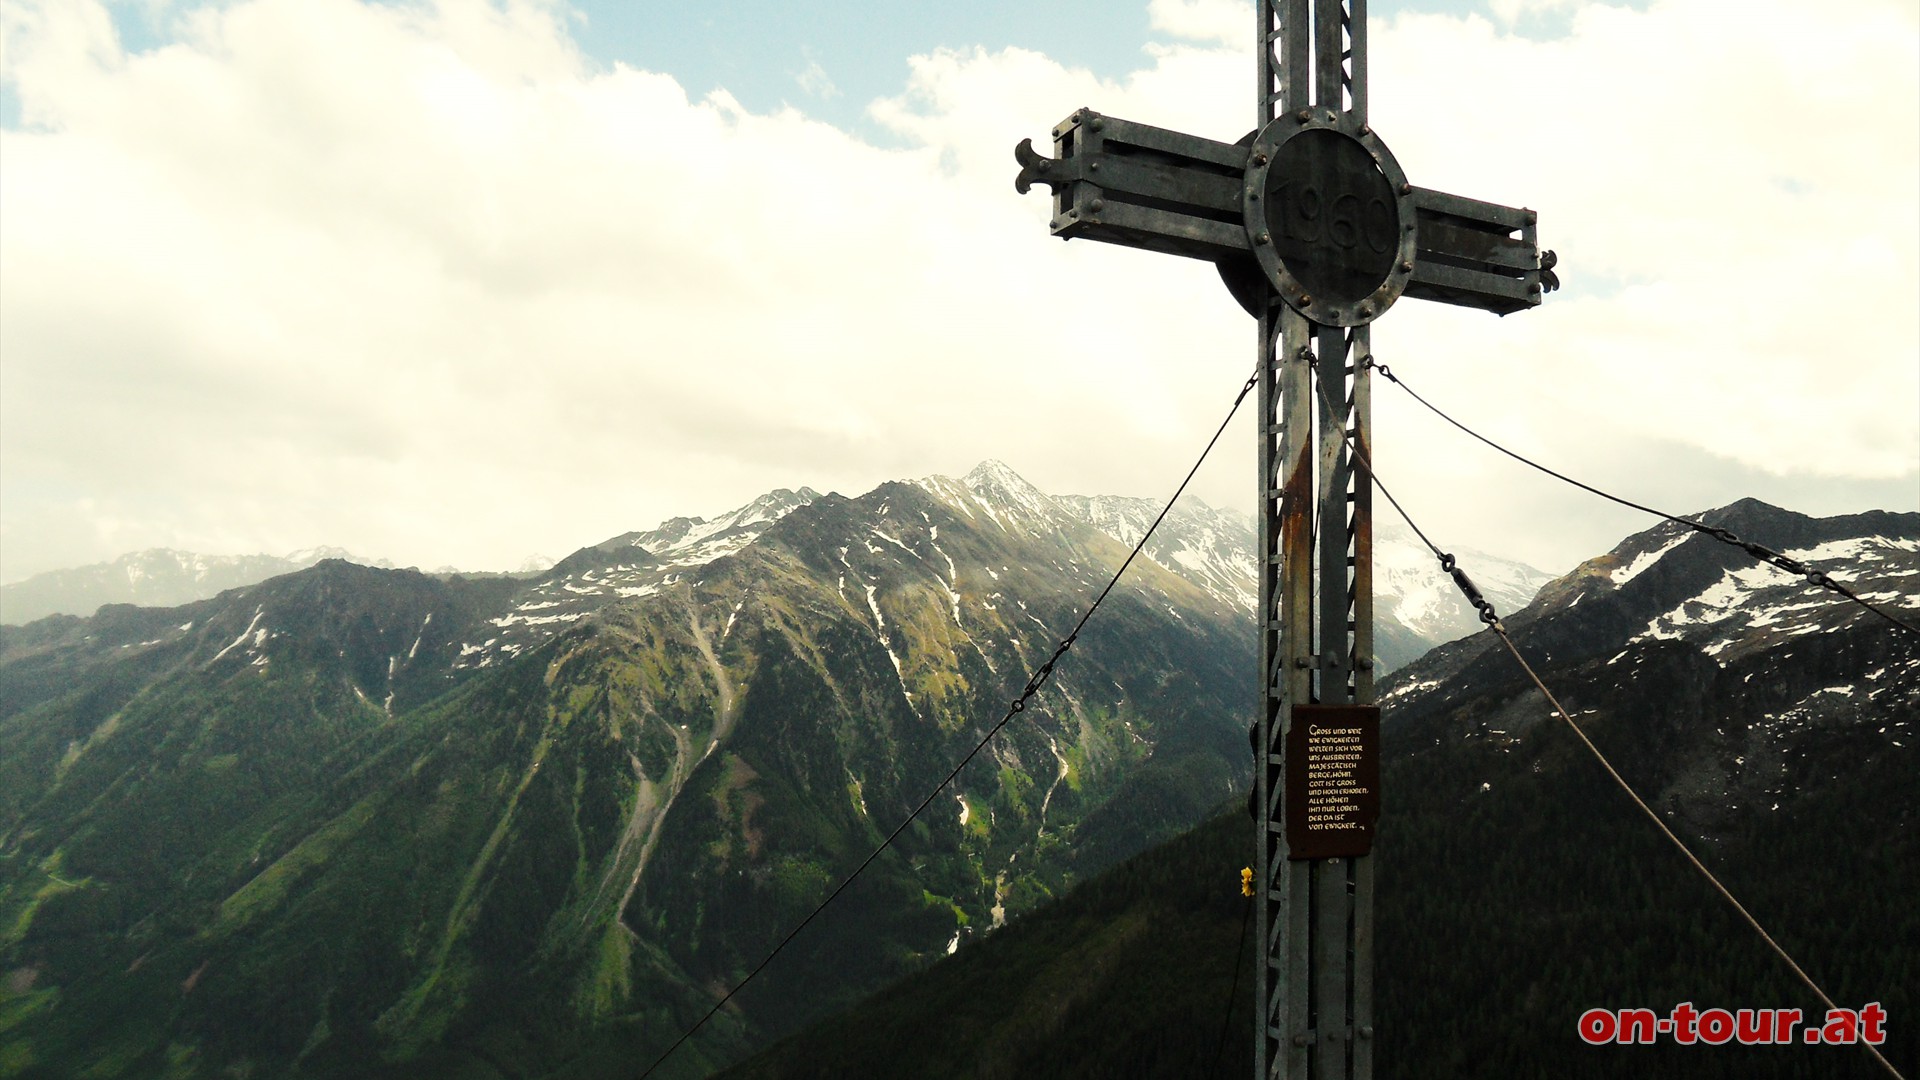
(458, 283)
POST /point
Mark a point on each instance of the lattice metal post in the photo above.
(1315, 996)
(1316, 231)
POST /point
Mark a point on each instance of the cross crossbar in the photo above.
(1140, 186)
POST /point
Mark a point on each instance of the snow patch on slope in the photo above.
(1644, 561)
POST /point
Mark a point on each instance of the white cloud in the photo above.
(1219, 22)
(421, 283)
(417, 278)
(1755, 201)
(816, 82)
(1511, 11)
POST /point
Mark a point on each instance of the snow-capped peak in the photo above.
(1751, 602)
(628, 566)
(1212, 548)
(1409, 586)
(681, 535)
(535, 563)
(1006, 496)
(993, 472)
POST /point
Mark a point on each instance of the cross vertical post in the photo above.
(1315, 230)
(1314, 994)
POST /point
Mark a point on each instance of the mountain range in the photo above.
(163, 577)
(157, 577)
(1211, 547)
(1770, 723)
(355, 821)
(352, 820)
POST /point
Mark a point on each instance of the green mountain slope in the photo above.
(1501, 917)
(1127, 975)
(354, 822)
(1517, 886)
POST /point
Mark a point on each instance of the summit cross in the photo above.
(1316, 231)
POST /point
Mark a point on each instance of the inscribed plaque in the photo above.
(1333, 780)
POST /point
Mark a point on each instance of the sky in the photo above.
(457, 283)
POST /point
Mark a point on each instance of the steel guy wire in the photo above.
(1492, 619)
(1233, 988)
(1498, 628)
(1034, 682)
(1758, 551)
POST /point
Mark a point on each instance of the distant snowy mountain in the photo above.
(373, 818)
(627, 566)
(1409, 588)
(1416, 606)
(685, 541)
(1672, 583)
(158, 577)
(1212, 548)
(1769, 723)
(535, 564)
(1747, 679)
(385, 806)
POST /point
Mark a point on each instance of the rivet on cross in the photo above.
(1316, 232)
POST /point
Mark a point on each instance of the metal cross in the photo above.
(1316, 232)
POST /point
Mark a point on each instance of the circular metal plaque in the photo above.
(1330, 216)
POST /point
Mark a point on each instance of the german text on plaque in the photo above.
(1333, 780)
